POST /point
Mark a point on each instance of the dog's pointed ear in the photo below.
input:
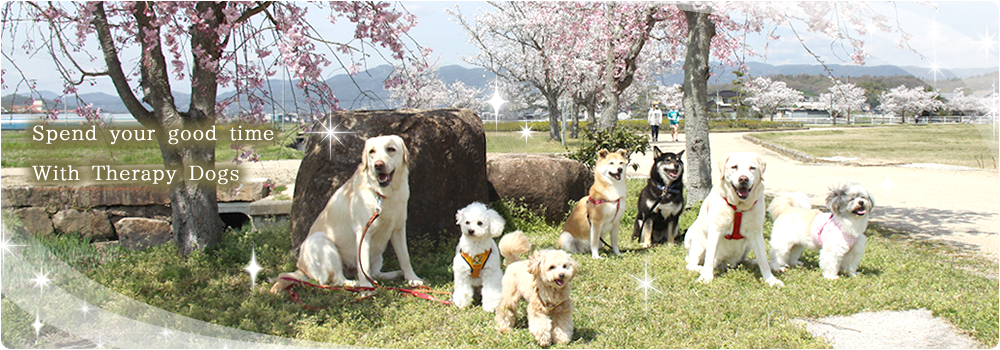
(656, 152)
(602, 153)
(622, 152)
(497, 223)
(535, 263)
(680, 154)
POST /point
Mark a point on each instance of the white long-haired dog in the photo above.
(477, 259)
(839, 236)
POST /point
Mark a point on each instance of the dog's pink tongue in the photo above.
(743, 192)
(383, 177)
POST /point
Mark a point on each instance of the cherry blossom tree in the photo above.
(418, 87)
(464, 96)
(841, 99)
(963, 104)
(767, 96)
(515, 43)
(904, 101)
(211, 45)
(669, 95)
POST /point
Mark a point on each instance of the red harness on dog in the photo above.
(737, 221)
(618, 202)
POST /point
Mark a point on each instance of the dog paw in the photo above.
(694, 268)
(706, 278)
(831, 277)
(596, 256)
(415, 282)
(350, 283)
(774, 282)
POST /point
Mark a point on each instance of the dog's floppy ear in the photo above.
(364, 154)
(762, 164)
(602, 153)
(459, 215)
(722, 167)
(496, 223)
(535, 263)
(406, 151)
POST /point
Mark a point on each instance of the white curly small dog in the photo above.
(477, 259)
(839, 235)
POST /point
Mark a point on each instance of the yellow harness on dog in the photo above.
(477, 262)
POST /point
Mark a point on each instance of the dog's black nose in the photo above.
(562, 275)
(472, 232)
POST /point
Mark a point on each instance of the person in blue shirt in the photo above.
(674, 117)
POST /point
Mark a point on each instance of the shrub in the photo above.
(610, 139)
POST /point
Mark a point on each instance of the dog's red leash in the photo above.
(375, 215)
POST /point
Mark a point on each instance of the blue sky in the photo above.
(959, 34)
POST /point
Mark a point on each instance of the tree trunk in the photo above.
(698, 170)
(574, 130)
(592, 114)
(195, 213)
(554, 116)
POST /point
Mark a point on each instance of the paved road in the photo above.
(959, 207)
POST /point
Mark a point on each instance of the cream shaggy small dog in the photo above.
(380, 184)
(544, 281)
(839, 236)
(731, 220)
(477, 258)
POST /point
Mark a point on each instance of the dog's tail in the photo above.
(784, 201)
(512, 245)
(280, 283)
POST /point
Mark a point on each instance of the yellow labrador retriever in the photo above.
(380, 184)
(731, 220)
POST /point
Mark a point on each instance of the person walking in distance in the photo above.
(655, 118)
(674, 118)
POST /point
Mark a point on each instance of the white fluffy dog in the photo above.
(839, 236)
(477, 258)
(544, 281)
(731, 220)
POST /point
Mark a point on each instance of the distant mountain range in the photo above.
(365, 89)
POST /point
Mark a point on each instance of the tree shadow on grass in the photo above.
(933, 222)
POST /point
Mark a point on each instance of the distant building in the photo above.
(35, 107)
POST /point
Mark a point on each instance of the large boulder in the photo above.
(142, 233)
(543, 183)
(447, 165)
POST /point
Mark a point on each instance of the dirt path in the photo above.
(961, 208)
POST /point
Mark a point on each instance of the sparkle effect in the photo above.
(646, 283)
(330, 134)
(496, 101)
(526, 133)
(888, 184)
(37, 326)
(41, 280)
(166, 333)
(253, 268)
(85, 309)
(7, 244)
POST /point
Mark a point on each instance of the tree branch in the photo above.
(115, 71)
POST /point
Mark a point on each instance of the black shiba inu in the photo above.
(661, 201)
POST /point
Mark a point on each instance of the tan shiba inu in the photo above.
(601, 211)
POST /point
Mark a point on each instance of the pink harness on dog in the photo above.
(823, 224)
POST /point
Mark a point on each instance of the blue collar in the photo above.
(671, 189)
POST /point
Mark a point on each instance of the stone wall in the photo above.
(136, 215)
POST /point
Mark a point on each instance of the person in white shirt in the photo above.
(655, 118)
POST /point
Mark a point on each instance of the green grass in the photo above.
(956, 144)
(737, 310)
(19, 150)
(514, 142)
